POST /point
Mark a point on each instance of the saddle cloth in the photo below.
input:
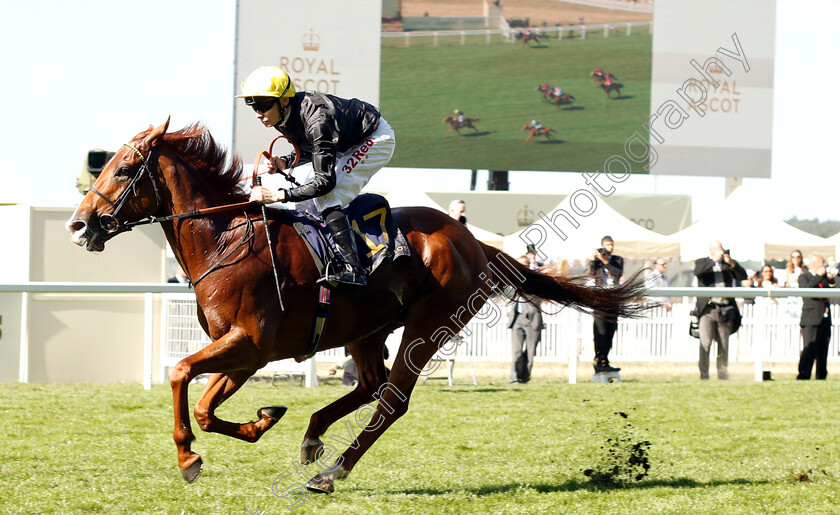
(378, 239)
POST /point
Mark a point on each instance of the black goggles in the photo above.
(260, 104)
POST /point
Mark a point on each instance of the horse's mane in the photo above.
(196, 146)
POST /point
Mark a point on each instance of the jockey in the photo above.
(459, 116)
(332, 133)
(558, 93)
(536, 125)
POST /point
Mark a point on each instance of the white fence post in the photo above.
(23, 363)
(148, 338)
(574, 348)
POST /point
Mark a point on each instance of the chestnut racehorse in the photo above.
(548, 95)
(533, 131)
(455, 125)
(526, 37)
(432, 293)
(612, 85)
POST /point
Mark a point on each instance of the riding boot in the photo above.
(349, 269)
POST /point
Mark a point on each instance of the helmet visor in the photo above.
(260, 104)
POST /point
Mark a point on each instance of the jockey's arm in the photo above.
(323, 164)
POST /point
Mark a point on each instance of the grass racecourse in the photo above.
(546, 447)
(497, 83)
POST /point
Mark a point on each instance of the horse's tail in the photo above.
(577, 292)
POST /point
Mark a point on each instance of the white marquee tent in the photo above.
(752, 231)
(405, 197)
(583, 234)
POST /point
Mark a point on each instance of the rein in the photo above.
(112, 223)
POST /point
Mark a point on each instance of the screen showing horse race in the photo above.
(680, 88)
(559, 86)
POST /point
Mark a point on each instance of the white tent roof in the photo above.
(750, 229)
(834, 240)
(631, 240)
(406, 197)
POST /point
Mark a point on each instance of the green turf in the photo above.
(714, 447)
(496, 83)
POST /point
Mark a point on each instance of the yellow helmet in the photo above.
(267, 81)
(457, 111)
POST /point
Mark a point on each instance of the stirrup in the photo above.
(345, 274)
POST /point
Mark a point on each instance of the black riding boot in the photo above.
(349, 269)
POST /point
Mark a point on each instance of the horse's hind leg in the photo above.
(372, 375)
(416, 349)
(219, 388)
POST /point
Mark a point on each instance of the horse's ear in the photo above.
(156, 132)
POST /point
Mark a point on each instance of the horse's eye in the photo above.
(124, 171)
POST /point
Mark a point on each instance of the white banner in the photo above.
(330, 46)
(712, 88)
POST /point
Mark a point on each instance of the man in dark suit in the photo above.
(531, 257)
(527, 324)
(719, 316)
(608, 270)
(815, 321)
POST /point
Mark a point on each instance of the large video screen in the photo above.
(681, 90)
(502, 83)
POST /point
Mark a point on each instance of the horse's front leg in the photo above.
(233, 351)
(219, 388)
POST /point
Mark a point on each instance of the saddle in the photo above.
(378, 238)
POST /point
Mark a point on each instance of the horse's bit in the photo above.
(110, 222)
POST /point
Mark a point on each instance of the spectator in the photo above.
(658, 279)
(719, 316)
(527, 323)
(179, 277)
(815, 320)
(608, 271)
(531, 256)
(765, 307)
(795, 267)
(457, 210)
(764, 278)
(351, 370)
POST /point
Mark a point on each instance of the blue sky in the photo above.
(92, 74)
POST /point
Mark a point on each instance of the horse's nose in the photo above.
(77, 230)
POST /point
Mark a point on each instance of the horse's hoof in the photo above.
(309, 450)
(320, 485)
(275, 412)
(192, 472)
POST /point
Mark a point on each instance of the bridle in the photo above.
(111, 221)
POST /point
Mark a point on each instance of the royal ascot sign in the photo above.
(329, 46)
(712, 88)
